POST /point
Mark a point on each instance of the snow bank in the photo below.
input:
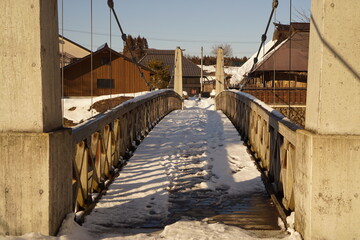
(238, 73)
(77, 109)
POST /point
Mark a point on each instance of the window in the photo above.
(105, 61)
(105, 83)
(72, 60)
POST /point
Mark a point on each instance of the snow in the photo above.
(246, 67)
(82, 105)
(237, 73)
(198, 137)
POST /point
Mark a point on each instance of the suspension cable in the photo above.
(275, 4)
(274, 77)
(263, 37)
(110, 61)
(290, 37)
(124, 38)
(62, 62)
(91, 57)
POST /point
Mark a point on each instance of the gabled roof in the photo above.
(101, 50)
(190, 69)
(72, 48)
(295, 26)
(278, 58)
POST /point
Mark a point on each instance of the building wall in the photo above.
(190, 84)
(127, 79)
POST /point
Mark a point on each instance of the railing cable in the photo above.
(126, 42)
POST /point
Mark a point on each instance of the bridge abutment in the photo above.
(327, 202)
(36, 152)
(327, 190)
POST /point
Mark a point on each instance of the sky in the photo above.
(166, 24)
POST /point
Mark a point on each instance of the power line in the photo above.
(166, 39)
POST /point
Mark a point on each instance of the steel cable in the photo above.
(124, 38)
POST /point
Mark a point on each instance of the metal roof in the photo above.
(278, 58)
(190, 69)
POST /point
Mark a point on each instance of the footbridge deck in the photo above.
(193, 165)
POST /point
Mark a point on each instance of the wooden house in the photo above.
(191, 72)
(104, 72)
(281, 75)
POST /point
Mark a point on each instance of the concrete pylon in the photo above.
(36, 153)
(327, 189)
(220, 75)
(178, 79)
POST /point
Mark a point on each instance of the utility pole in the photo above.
(201, 78)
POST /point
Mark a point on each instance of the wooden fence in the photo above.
(101, 143)
(297, 96)
(271, 136)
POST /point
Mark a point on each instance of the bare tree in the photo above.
(302, 15)
(226, 47)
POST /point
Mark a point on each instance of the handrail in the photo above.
(271, 136)
(101, 142)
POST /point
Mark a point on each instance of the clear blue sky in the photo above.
(166, 24)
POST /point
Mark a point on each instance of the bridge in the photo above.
(49, 171)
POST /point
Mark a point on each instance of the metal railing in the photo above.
(271, 137)
(102, 142)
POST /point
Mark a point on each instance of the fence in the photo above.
(279, 95)
(101, 143)
(270, 135)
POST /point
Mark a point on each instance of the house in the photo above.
(280, 76)
(70, 51)
(191, 72)
(104, 72)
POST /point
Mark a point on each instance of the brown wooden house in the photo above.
(109, 72)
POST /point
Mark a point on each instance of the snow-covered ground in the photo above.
(77, 109)
(197, 136)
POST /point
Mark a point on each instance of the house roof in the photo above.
(190, 69)
(100, 50)
(278, 58)
(72, 48)
(295, 26)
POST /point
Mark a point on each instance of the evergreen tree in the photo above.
(162, 76)
(138, 46)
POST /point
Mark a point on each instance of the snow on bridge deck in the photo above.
(192, 167)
